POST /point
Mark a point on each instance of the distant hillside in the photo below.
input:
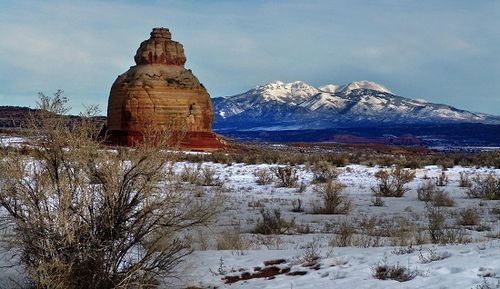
(15, 116)
(471, 134)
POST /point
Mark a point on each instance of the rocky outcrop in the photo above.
(159, 92)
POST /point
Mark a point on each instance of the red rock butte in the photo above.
(159, 92)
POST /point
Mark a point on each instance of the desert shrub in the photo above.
(446, 162)
(485, 284)
(377, 201)
(428, 192)
(432, 255)
(199, 175)
(191, 174)
(233, 240)
(442, 179)
(302, 188)
(271, 222)
(343, 234)
(468, 217)
(441, 198)
(438, 231)
(208, 177)
(297, 206)
(465, 181)
(392, 183)
(312, 252)
(436, 224)
(264, 177)
(333, 201)
(323, 171)
(393, 272)
(485, 187)
(82, 217)
(287, 176)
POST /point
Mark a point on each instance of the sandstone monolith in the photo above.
(161, 93)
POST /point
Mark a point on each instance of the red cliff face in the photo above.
(159, 92)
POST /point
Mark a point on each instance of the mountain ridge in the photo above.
(297, 105)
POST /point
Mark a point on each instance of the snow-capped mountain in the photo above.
(298, 105)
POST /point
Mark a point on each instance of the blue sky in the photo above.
(445, 51)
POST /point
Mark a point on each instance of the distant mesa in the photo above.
(159, 92)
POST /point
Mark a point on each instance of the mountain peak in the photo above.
(292, 92)
(363, 84)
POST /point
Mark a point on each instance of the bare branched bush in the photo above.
(391, 183)
(333, 201)
(209, 177)
(264, 177)
(436, 224)
(468, 217)
(377, 201)
(302, 188)
(485, 187)
(439, 232)
(465, 181)
(393, 272)
(323, 171)
(441, 198)
(297, 206)
(343, 234)
(442, 179)
(432, 255)
(200, 175)
(287, 176)
(428, 192)
(191, 174)
(271, 222)
(233, 240)
(83, 217)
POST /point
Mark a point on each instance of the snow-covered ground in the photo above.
(394, 234)
(396, 228)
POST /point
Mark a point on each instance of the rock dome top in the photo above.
(160, 49)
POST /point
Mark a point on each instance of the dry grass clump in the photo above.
(439, 232)
(287, 176)
(323, 171)
(468, 217)
(442, 199)
(199, 175)
(271, 222)
(333, 201)
(297, 206)
(233, 240)
(485, 187)
(391, 183)
(377, 201)
(465, 181)
(428, 192)
(264, 177)
(343, 234)
(432, 255)
(393, 272)
(442, 179)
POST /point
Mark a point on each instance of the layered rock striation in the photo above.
(159, 92)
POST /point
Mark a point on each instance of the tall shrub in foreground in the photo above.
(83, 217)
